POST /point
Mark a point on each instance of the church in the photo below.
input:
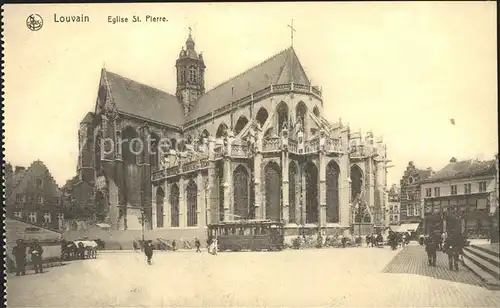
(257, 146)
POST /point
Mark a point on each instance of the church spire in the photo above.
(190, 42)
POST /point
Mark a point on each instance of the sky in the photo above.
(401, 70)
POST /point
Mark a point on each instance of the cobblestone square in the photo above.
(355, 277)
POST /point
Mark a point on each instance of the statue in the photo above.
(285, 125)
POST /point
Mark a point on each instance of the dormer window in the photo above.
(192, 74)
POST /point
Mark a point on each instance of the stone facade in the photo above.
(247, 149)
(410, 211)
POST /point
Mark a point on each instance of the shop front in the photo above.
(466, 213)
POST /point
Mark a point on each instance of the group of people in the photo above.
(212, 246)
(374, 239)
(35, 249)
(451, 244)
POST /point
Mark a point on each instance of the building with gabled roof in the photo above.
(32, 195)
(462, 197)
(256, 146)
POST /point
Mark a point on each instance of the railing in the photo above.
(312, 145)
(190, 166)
(270, 145)
(279, 88)
(158, 175)
(292, 145)
(238, 150)
(333, 145)
(173, 171)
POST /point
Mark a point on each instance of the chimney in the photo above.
(453, 160)
(18, 169)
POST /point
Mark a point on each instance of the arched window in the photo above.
(262, 116)
(300, 112)
(282, 115)
(130, 145)
(174, 206)
(182, 73)
(240, 124)
(221, 131)
(192, 204)
(192, 74)
(316, 111)
(153, 153)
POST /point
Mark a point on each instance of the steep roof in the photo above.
(462, 169)
(18, 182)
(281, 68)
(142, 100)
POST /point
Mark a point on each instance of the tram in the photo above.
(256, 234)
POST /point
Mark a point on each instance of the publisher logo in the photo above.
(34, 22)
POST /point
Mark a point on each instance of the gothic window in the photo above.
(300, 112)
(160, 195)
(282, 115)
(241, 193)
(192, 74)
(356, 182)
(316, 111)
(130, 146)
(192, 204)
(311, 173)
(97, 152)
(183, 75)
(332, 192)
(292, 176)
(153, 153)
(240, 124)
(273, 191)
(174, 205)
(221, 130)
(262, 116)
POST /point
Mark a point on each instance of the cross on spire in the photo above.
(190, 30)
(292, 30)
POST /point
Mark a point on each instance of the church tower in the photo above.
(190, 75)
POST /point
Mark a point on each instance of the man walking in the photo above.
(197, 244)
(36, 252)
(148, 251)
(431, 245)
(453, 248)
(19, 252)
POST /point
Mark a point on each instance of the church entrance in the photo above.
(241, 193)
(273, 191)
(311, 174)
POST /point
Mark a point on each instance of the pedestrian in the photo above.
(215, 247)
(368, 239)
(148, 251)
(431, 246)
(197, 244)
(403, 240)
(453, 248)
(209, 243)
(174, 246)
(36, 252)
(421, 239)
(444, 236)
(19, 252)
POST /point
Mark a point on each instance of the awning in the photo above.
(103, 225)
(408, 227)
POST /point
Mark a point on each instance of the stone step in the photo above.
(492, 252)
(491, 282)
(485, 255)
(483, 264)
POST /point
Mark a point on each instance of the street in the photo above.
(375, 277)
